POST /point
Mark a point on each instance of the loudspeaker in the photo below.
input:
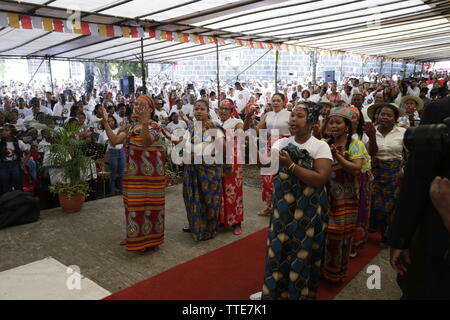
(127, 85)
(329, 76)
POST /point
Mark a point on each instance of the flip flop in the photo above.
(237, 231)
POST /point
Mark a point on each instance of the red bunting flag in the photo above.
(85, 28)
(134, 33)
(201, 39)
(58, 25)
(110, 31)
(151, 33)
(26, 22)
(169, 36)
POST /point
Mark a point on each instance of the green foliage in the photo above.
(127, 69)
(70, 190)
(68, 153)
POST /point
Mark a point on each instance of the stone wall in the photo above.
(246, 64)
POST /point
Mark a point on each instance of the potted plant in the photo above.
(71, 166)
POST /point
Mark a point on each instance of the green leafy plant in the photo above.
(68, 152)
(170, 167)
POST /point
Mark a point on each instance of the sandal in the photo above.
(237, 231)
(266, 212)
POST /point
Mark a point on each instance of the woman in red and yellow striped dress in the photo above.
(144, 181)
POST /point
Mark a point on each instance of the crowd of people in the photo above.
(340, 149)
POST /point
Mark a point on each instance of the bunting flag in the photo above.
(3, 19)
(23, 21)
(102, 30)
(48, 24)
(26, 22)
(58, 25)
(126, 32)
(133, 32)
(14, 20)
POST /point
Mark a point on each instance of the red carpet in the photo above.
(233, 272)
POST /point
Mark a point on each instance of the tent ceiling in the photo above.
(411, 29)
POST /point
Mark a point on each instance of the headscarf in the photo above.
(231, 105)
(342, 112)
(314, 110)
(147, 99)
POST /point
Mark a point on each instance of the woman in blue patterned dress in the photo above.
(300, 210)
(202, 184)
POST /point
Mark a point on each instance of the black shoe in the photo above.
(188, 230)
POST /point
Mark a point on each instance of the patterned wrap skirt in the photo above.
(385, 193)
(296, 235)
(144, 186)
(364, 184)
(344, 205)
(267, 180)
(202, 193)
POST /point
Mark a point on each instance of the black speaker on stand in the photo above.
(127, 85)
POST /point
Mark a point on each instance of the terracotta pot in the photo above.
(72, 205)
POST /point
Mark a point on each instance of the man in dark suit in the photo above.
(418, 238)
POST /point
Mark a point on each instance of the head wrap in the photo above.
(354, 109)
(230, 104)
(314, 110)
(342, 112)
(148, 100)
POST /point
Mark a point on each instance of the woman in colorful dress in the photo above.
(232, 210)
(298, 225)
(364, 132)
(202, 185)
(387, 167)
(277, 119)
(144, 181)
(350, 158)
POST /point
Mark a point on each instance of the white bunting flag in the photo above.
(94, 29)
(118, 31)
(37, 22)
(3, 19)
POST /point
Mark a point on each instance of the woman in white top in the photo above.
(296, 237)
(176, 126)
(278, 119)
(386, 166)
(116, 158)
(232, 209)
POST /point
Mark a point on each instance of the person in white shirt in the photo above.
(386, 166)
(62, 108)
(242, 97)
(273, 120)
(11, 153)
(116, 158)
(347, 95)
(294, 186)
(177, 108)
(188, 109)
(176, 126)
(162, 115)
(413, 89)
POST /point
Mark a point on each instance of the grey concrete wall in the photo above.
(291, 66)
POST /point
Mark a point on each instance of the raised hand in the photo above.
(370, 130)
(103, 113)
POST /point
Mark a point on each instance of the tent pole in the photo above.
(218, 76)
(51, 74)
(144, 85)
(277, 57)
(36, 72)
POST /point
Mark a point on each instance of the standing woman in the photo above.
(278, 119)
(144, 181)
(11, 156)
(350, 158)
(202, 185)
(116, 158)
(364, 132)
(232, 210)
(298, 225)
(386, 166)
